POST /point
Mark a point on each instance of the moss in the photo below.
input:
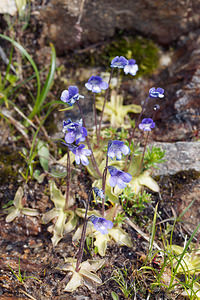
(10, 163)
(144, 51)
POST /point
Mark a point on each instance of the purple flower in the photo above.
(71, 95)
(98, 192)
(156, 93)
(147, 124)
(80, 154)
(131, 67)
(96, 84)
(101, 224)
(117, 148)
(118, 177)
(74, 131)
(119, 62)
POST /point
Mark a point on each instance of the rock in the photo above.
(190, 193)
(180, 156)
(165, 20)
(179, 116)
(8, 7)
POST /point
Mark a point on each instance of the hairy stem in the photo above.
(144, 150)
(68, 180)
(105, 99)
(138, 121)
(94, 163)
(104, 182)
(95, 118)
(80, 252)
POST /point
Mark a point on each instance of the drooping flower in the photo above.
(101, 224)
(96, 84)
(117, 148)
(156, 107)
(98, 192)
(118, 177)
(74, 131)
(147, 124)
(119, 62)
(156, 93)
(80, 154)
(71, 95)
(131, 67)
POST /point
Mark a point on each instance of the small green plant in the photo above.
(134, 203)
(125, 282)
(21, 278)
(153, 157)
(8, 82)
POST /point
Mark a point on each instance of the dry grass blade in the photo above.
(18, 126)
(144, 235)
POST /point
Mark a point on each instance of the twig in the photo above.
(144, 235)
(18, 126)
(31, 297)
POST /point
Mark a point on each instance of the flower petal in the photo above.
(69, 137)
(113, 181)
(64, 96)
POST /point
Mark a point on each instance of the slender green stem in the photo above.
(80, 252)
(94, 163)
(105, 99)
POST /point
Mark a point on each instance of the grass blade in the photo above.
(29, 58)
(47, 85)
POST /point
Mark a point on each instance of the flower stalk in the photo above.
(94, 163)
(105, 99)
(83, 234)
(68, 180)
(95, 118)
(104, 181)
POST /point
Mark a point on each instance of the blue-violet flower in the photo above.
(80, 154)
(119, 62)
(156, 93)
(71, 95)
(98, 192)
(101, 224)
(147, 124)
(131, 67)
(117, 148)
(96, 84)
(74, 131)
(118, 177)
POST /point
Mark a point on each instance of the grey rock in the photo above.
(179, 156)
(164, 20)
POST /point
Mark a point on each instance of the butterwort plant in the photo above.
(83, 273)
